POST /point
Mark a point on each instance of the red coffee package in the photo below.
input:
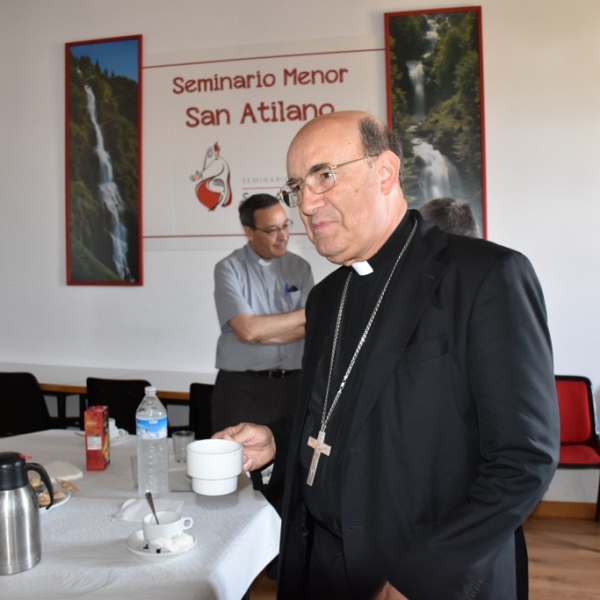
(97, 438)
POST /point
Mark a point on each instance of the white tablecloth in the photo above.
(84, 551)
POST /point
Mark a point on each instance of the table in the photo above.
(62, 381)
(84, 552)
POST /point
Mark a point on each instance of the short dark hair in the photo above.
(254, 203)
(453, 216)
(377, 138)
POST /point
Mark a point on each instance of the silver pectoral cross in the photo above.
(320, 448)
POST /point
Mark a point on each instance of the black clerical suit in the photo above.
(447, 433)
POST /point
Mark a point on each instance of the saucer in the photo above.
(136, 543)
(121, 435)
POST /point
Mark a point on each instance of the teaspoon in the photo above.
(151, 503)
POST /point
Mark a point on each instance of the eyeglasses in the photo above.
(320, 179)
(275, 231)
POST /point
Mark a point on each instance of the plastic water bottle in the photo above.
(152, 451)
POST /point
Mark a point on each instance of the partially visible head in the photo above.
(350, 221)
(265, 224)
(253, 203)
(453, 216)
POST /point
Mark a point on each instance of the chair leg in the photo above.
(82, 409)
(597, 517)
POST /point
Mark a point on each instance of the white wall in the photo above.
(542, 112)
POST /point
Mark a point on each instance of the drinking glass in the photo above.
(181, 439)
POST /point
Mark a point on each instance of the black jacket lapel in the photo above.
(410, 291)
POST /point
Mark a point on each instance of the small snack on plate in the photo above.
(44, 499)
(69, 486)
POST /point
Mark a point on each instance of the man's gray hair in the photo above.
(377, 138)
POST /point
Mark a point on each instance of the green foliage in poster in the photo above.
(452, 90)
(90, 222)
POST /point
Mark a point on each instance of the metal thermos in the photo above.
(20, 545)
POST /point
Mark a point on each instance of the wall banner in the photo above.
(435, 104)
(103, 99)
(217, 125)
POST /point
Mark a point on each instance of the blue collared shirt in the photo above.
(246, 283)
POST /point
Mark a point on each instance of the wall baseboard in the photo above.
(570, 510)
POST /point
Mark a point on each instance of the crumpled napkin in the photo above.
(136, 510)
(60, 469)
(174, 543)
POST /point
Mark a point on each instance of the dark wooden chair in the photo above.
(200, 411)
(22, 405)
(122, 396)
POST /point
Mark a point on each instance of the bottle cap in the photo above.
(150, 389)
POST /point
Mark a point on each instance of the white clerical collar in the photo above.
(362, 268)
(263, 262)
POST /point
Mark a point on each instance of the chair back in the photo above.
(579, 437)
(122, 396)
(23, 406)
(200, 411)
(577, 409)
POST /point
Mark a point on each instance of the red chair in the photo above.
(579, 437)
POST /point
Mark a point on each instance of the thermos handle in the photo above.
(44, 475)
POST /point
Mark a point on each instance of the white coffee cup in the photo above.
(214, 466)
(113, 430)
(169, 523)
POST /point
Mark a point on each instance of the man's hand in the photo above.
(257, 441)
(388, 592)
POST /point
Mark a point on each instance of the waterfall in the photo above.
(416, 74)
(432, 36)
(110, 195)
(438, 177)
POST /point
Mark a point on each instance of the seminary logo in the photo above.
(214, 186)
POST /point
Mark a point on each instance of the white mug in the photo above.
(214, 466)
(170, 523)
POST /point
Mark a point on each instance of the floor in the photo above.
(564, 561)
(263, 588)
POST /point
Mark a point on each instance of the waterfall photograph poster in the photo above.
(103, 166)
(435, 104)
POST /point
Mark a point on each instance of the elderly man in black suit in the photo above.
(427, 425)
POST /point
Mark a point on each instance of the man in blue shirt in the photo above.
(260, 294)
